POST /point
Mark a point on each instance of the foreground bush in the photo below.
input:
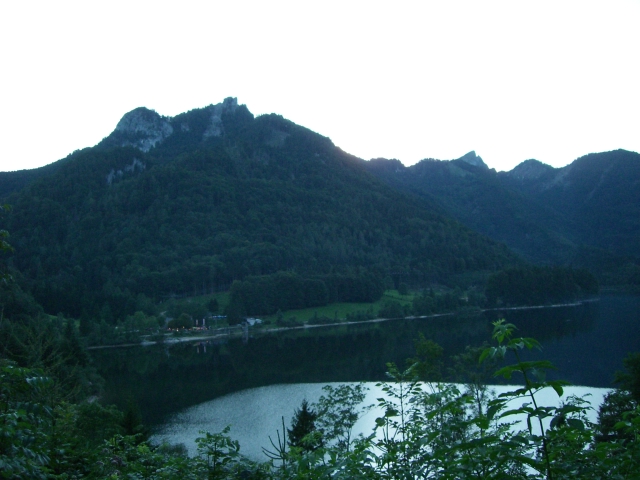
(426, 431)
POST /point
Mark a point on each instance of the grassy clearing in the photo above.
(341, 310)
(390, 295)
(222, 298)
(334, 310)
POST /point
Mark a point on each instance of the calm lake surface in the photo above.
(255, 415)
(586, 342)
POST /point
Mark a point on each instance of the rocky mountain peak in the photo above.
(215, 128)
(472, 159)
(144, 128)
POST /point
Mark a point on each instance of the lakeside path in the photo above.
(237, 331)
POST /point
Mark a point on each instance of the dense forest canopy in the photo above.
(166, 207)
(585, 214)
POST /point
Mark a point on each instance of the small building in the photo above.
(253, 321)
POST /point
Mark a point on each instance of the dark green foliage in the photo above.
(619, 401)
(90, 424)
(15, 302)
(303, 427)
(235, 312)
(132, 421)
(427, 364)
(283, 291)
(392, 309)
(52, 345)
(630, 379)
(361, 315)
(219, 451)
(24, 413)
(183, 321)
(195, 309)
(267, 294)
(5, 247)
(611, 413)
(539, 285)
(429, 302)
(213, 306)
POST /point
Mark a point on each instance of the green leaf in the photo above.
(576, 423)
(505, 372)
(487, 352)
(492, 410)
(556, 420)
(557, 386)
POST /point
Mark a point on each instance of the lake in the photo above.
(586, 342)
(255, 415)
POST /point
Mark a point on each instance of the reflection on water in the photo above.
(256, 414)
(586, 342)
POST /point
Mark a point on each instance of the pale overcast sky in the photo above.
(512, 80)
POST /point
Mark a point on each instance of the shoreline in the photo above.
(239, 331)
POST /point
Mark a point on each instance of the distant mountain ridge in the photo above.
(580, 214)
(598, 193)
(477, 197)
(529, 170)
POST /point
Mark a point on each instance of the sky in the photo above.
(512, 80)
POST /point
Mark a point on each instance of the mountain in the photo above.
(599, 194)
(475, 195)
(187, 204)
(585, 214)
(15, 181)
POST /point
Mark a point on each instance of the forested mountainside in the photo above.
(15, 181)
(586, 214)
(475, 195)
(599, 194)
(186, 205)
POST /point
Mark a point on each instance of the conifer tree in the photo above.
(302, 425)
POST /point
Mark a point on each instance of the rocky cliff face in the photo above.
(144, 129)
(472, 159)
(216, 128)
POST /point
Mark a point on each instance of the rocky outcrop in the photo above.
(115, 175)
(472, 159)
(143, 128)
(216, 128)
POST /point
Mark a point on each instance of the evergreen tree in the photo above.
(303, 425)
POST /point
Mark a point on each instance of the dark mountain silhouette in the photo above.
(186, 205)
(598, 194)
(586, 214)
(477, 197)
